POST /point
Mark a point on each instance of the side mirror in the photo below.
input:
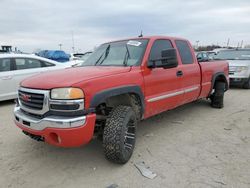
(168, 60)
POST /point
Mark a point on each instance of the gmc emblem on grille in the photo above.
(25, 97)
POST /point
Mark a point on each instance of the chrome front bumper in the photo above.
(50, 121)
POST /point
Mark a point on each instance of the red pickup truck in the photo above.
(121, 83)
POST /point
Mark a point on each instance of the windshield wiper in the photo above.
(127, 56)
(106, 52)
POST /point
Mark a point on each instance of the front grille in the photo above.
(37, 116)
(232, 69)
(31, 100)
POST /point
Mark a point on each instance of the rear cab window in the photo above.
(184, 51)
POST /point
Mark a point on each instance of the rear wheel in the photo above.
(119, 134)
(217, 98)
(247, 84)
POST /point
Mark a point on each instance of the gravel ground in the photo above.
(191, 146)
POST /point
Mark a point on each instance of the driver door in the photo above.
(162, 86)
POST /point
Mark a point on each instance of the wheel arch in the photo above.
(219, 76)
(102, 96)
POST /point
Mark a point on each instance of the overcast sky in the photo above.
(30, 24)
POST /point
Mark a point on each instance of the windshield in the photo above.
(233, 55)
(121, 53)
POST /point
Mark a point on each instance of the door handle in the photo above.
(179, 73)
(6, 77)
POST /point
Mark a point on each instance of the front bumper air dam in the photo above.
(235, 81)
(58, 131)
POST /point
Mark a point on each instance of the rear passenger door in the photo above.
(189, 72)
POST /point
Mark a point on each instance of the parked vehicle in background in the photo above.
(80, 56)
(121, 83)
(56, 55)
(80, 59)
(85, 56)
(6, 49)
(239, 65)
(211, 54)
(203, 56)
(15, 67)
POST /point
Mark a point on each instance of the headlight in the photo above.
(67, 93)
(242, 68)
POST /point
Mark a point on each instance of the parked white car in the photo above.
(79, 58)
(239, 65)
(16, 67)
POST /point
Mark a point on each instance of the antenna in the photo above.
(141, 35)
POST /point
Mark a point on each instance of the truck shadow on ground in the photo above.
(236, 87)
(7, 103)
(91, 155)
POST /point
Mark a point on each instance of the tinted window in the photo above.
(199, 56)
(205, 56)
(185, 52)
(22, 63)
(158, 47)
(5, 65)
(46, 64)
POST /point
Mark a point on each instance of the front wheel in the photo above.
(119, 134)
(217, 98)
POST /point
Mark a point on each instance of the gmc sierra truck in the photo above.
(121, 83)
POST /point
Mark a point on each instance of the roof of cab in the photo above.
(149, 38)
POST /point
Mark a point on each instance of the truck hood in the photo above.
(237, 63)
(70, 76)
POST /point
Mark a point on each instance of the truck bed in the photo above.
(208, 72)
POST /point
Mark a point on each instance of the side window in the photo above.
(5, 65)
(25, 63)
(185, 52)
(157, 48)
(199, 56)
(205, 56)
(47, 64)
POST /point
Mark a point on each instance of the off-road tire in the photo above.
(119, 134)
(217, 98)
(247, 84)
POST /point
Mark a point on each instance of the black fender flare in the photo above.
(101, 96)
(215, 76)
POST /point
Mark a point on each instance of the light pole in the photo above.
(197, 44)
(228, 41)
(60, 45)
